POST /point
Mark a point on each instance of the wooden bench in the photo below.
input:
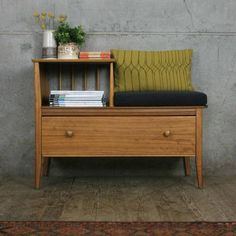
(167, 131)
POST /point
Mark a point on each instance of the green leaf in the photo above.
(66, 34)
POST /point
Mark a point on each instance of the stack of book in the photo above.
(65, 98)
(95, 55)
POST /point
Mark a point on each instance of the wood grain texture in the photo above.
(40, 60)
(119, 111)
(137, 136)
(111, 131)
(85, 79)
(59, 76)
(46, 165)
(44, 84)
(97, 80)
(187, 166)
(111, 96)
(198, 158)
(72, 77)
(38, 126)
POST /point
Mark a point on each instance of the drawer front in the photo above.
(118, 136)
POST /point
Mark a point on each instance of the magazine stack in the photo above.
(65, 98)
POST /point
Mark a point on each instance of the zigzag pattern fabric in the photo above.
(152, 70)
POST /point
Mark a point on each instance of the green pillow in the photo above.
(152, 70)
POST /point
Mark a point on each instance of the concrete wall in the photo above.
(207, 26)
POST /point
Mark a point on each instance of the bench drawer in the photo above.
(118, 136)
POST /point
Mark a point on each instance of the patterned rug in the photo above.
(117, 229)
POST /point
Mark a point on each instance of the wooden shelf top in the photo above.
(118, 111)
(42, 60)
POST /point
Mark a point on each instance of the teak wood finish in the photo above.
(111, 131)
(118, 136)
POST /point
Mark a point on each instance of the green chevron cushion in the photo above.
(152, 70)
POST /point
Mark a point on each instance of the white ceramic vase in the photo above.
(68, 51)
(49, 45)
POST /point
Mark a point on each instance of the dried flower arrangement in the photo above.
(48, 20)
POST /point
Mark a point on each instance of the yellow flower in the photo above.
(36, 14)
(50, 14)
(44, 14)
(62, 18)
(43, 26)
(42, 17)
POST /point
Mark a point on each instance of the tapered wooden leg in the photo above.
(38, 126)
(46, 165)
(38, 171)
(198, 157)
(187, 166)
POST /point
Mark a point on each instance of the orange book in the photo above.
(95, 55)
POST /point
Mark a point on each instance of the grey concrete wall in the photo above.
(207, 26)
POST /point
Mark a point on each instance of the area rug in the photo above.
(59, 228)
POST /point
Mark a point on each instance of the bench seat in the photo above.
(160, 98)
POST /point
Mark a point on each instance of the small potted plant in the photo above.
(69, 39)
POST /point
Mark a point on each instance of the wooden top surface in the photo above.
(120, 111)
(41, 60)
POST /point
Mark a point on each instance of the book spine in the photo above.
(95, 55)
(80, 99)
(77, 105)
(76, 93)
(78, 102)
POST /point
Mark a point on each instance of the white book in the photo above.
(76, 105)
(80, 98)
(78, 102)
(78, 93)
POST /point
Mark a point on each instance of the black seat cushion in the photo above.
(162, 98)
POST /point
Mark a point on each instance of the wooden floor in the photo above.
(118, 199)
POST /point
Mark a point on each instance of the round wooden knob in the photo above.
(69, 133)
(167, 133)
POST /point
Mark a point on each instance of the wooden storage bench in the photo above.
(173, 131)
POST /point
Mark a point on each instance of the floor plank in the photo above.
(118, 199)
